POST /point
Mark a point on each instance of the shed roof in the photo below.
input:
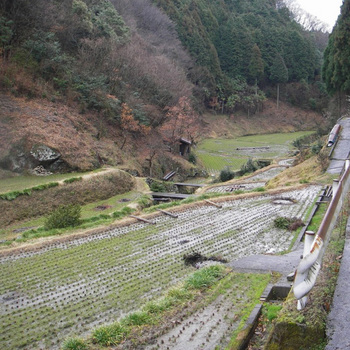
(182, 140)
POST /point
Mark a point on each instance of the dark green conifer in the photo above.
(278, 73)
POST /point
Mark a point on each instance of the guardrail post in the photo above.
(335, 186)
(308, 240)
(310, 265)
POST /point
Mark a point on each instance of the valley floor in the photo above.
(71, 285)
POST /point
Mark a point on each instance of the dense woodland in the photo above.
(147, 65)
(210, 51)
(336, 68)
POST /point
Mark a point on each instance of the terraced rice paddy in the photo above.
(236, 187)
(251, 183)
(67, 288)
(216, 154)
(266, 175)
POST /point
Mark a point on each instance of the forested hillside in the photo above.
(143, 70)
(239, 42)
(336, 68)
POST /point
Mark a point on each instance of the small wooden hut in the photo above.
(185, 147)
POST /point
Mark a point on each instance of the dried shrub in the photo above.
(290, 224)
(295, 224)
(195, 257)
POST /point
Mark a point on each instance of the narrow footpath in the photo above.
(262, 263)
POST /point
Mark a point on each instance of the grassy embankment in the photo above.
(100, 194)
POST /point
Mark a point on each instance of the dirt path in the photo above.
(93, 174)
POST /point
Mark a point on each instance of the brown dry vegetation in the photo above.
(82, 192)
(308, 171)
(286, 118)
(25, 123)
(85, 141)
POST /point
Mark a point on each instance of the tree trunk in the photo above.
(339, 103)
(278, 95)
(123, 144)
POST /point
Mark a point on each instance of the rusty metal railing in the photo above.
(310, 265)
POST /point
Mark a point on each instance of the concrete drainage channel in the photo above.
(272, 293)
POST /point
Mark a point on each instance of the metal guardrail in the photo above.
(310, 265)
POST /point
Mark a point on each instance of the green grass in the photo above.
(74, 344)
(116, 208)
(137, 318)
(218, 162)
(317, 218)
(111, 334)
(22, 182)
(27, 191)
(204, 278)
(258, 283)
(112, 204)
(90, 222)
(216, 154)
(72, 179)
(271, 311)
(216, 282)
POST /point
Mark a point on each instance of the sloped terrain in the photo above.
(70, 285)
(77, 137)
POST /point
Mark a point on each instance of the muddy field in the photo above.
(68, 288)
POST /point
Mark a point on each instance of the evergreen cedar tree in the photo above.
(231, 34)
(279, 73)
(256, 65)
(336, 67)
